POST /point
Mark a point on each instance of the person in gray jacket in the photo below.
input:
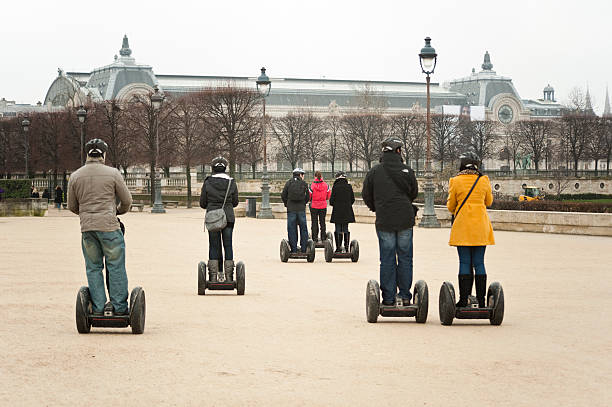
(93, 193)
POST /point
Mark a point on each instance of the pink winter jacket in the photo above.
(320, 193)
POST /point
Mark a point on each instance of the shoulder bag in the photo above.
(216, 219)
(463, 203)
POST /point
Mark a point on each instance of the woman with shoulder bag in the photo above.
(469, 194)
(219, 191)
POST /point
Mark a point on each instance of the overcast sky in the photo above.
(533, 42)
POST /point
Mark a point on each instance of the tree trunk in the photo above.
(313, 166)
(188, 173)
(575, 167)
(253, 170)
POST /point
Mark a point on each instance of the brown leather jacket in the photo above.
(93, 191)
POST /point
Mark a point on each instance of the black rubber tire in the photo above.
(329, 251)
(138, 311)
(421, 296)
(372, 301)
(83, 302)
(330, 237)
(201, 278)
(240, 278)
(310, 249)
(354, 251)
(446, 304)
(284, 250)
(495, 294)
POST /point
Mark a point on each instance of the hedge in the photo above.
(15, 188)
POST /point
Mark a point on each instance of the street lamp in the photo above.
(25, 125)
(156, 101)
(428, 59)
(82, 115)
(263, 87)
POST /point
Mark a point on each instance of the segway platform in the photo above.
(320, 244)
(494, 311)
(238, 284)
(352, 254)
(418, 308)
(135, 317)
(285, 252)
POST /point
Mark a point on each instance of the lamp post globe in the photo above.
(428, 59)
(156, 102)
(263, 87)
(25, 125)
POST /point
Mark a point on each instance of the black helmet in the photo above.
(96, 147)
(391, 144)
(469, 160)
(340, 174)
(219, 164)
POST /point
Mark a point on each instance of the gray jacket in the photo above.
(93, 191)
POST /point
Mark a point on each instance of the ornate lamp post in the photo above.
(428, 59)
(263, 87)
(82, 115)
(156, 101)
(25, 125)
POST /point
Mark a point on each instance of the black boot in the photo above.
(347, 240)
(338, 237)
(481, 289)
(465, 288)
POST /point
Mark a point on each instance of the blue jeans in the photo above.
(395, 263)
(471, 257)
(214, 244)
(295, 219)
(109, 247)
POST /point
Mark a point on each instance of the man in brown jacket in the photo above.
(93, 193)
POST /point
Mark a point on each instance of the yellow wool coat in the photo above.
(472, 226)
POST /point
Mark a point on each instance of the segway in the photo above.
(320, 244)
(494, 311)
(352, 253)
(417, 309)
(135, 317)
(237, 284)
(285, 252)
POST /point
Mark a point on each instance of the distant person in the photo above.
(97, 193)
(217, 189)
(389, 190)
(35, 193)
(295, 195)
(342, 200)
(46, 193)
(471, 231)
(59, 197)
(320, 193)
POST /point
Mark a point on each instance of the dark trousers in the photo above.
(317, 216)
(214, 243)
(295, 219)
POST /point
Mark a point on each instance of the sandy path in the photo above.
(299, 335)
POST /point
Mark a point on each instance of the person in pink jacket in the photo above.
(319, 194)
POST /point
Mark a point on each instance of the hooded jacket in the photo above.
(320, 193)
(92, 193)
(213, 193)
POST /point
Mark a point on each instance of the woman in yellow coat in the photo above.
(471, 231)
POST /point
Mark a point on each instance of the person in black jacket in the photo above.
(59, 197)
(389, 189)
(295, 195)
(212, 196)
(342, 199)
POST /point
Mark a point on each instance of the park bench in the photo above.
(173, 204)
(139, 206)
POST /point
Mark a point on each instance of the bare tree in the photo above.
(252, 150)
(574, 130)
(11, 147)
(314, 141)
(333, 127)
(597, 142)
(480, 136)
(349, 148)
(368, 130)
(402, 127)
(512, 147)
(112, 123)
(606, 123)
(534, 136)
(290, 132)
(444, 137)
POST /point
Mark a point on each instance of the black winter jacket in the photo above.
(389, 189)
(213, 192)
(293, 188)
(342, 199)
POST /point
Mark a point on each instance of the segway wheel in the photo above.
(495, 300)
(201, 278)
(138, 310)
(421, 298)
(354, 251)
(240, 278)
(330, 237)
(372, 301)
(329, 251)
(446, 305)
(310, 249)
(284, 250)
(83, 302)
